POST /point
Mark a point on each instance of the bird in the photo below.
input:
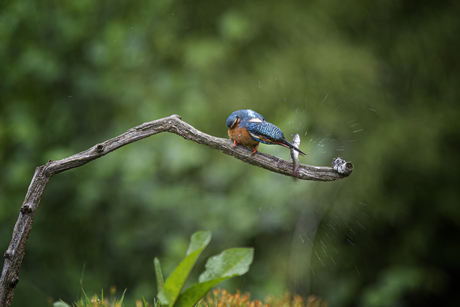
(249, 128)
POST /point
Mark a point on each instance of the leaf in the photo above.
(230, 263)
(88, 301)
(122, 297)
(175, 282)
(193, 294)
(60, 304)
(159, 274)
(199, 240)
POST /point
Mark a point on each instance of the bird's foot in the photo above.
(255, 149)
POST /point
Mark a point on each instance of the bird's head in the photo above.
(232, 120)
(240, 115)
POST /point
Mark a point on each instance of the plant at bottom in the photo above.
(230, 263)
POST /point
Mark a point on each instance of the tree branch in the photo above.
(15, 252)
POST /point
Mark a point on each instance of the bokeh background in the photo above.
(375, 82)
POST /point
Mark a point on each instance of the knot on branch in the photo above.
(342, 166)
(13, 282)
(25, 209)
(8, 254)
(99, 148)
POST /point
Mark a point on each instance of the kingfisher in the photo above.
(249, 128)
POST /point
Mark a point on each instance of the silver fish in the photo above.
(295, 154)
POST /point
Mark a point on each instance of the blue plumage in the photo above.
(240, 115)
(265, 132)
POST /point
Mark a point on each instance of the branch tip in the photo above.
(342, 166)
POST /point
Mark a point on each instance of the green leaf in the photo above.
(199, 240)
(175, 282)
(122, 298)
(230, 263)
(193, 294)
(88, 301)
(60, 304)
(159, 274)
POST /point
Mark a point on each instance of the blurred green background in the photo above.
(375, 82)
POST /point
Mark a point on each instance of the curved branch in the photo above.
(15, 252)
(174, 124)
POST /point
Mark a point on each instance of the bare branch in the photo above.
(175, 125)
(15, 252)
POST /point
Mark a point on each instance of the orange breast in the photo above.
(241, 136)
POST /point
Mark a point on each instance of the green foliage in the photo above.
(173, 285)
(96, 301)
(228, 264)
(159, 275)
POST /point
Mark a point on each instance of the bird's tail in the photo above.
(289, 145)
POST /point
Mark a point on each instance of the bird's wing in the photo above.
(268, 133)
(265, 132)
